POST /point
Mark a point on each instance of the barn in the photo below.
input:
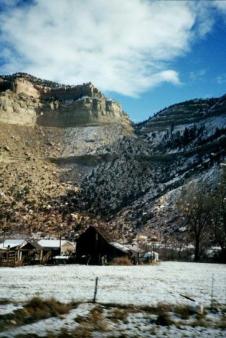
(94, 246)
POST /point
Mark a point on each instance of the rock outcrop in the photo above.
(27, 100)
(69, 156)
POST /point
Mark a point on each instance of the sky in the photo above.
(146, 54)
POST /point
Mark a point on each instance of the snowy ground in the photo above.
(118, 286)
(139, 285)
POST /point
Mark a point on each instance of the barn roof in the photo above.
(52, 243)
(126, 248)
(102, 231)
(120, 247)
(11, 243)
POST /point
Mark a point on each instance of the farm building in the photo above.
(94, 247)
(17, 252)
(50, 248)
(24, 252)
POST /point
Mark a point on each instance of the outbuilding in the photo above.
(10, 251)
(50, 248)
(94, 246)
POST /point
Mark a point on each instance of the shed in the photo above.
(94, 247)
(50, 248)
(10, 251)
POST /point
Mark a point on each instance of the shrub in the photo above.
(183, 311)
(164, 319)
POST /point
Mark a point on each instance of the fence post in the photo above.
(95, 290)
(212, 292)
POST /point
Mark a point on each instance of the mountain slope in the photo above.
(49, 134)
(139, 186)
(70, 156)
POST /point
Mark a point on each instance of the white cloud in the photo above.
(122, 46)
(221, 5)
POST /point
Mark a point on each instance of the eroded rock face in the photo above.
(18, 109)
(27, 100)
(49, 140)
(81, 156)
(23, 86)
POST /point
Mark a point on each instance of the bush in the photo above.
(183, 311)
(164, 319)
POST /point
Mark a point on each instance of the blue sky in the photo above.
(203, 74)
(147, 54)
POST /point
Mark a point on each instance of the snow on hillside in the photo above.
(117, 284)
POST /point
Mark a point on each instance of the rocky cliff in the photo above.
(70, 156)
(49, 136)
(26, 100)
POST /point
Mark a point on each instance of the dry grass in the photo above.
(4, 302)
(222, 323)
(183, 311)
(119, 314)
(35, 310)
(46, 308)
(121, 261)
(27, 336)
(101, 319)
(158, 309)
(164, 319)
(200, 322)
(95, 321)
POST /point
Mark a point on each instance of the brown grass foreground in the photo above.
(103, 318)
(34, 310)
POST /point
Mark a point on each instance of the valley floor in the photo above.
(133, 301)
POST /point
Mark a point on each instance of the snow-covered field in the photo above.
(139, 285)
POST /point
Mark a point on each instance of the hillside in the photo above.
(139, 186)
(49, 134)
(69, 156)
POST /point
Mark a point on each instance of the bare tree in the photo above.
(219, 211)
(195, 207)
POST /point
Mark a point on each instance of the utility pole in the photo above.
(60, 244)
(60, 237)
(4, 232)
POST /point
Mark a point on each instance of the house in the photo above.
(94, 247)
(28, 253)
(9, 251)
(19, 252)
(23, 252)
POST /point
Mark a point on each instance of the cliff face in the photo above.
(26, 100)
(69, 156)
(49, 136)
